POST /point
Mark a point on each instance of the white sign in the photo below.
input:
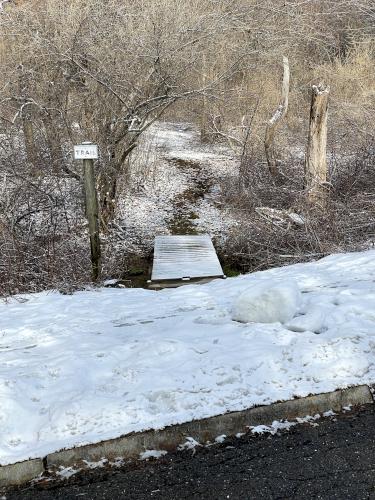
(86, 152)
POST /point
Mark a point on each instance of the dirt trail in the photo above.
(179, 191)
(196, 207)
(185, 219)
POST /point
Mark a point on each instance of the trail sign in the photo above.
(86, 152)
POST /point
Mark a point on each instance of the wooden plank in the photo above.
(185, 257)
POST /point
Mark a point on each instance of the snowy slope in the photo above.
(80, 368)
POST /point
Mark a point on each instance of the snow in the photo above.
(267, 303)
(152, 454)
(329, 413)
(240, 434)
(97, 364)
(276, 426)
(310, 419)
(220, 439)
(190, 444)
(67, 472)
(282, 425)
(312, 321)
(110, 282)
(95, 465)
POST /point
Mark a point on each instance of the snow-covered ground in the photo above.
(80, 368)
(169, 162)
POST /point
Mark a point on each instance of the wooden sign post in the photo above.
(88, 152)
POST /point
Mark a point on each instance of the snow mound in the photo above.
(269, 302)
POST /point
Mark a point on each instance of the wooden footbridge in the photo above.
(180, 260)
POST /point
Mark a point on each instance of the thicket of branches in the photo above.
(278, 225)
(105, 71)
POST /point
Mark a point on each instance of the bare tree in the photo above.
(109, 71)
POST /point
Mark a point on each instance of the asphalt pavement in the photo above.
(334, 459)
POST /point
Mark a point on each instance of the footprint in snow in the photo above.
(310, 322)
(120, 325)
(187, 308)
(231, 379)
(218, 318)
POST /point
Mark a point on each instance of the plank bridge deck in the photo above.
(180, 259)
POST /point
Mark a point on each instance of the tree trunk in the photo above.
(108, 179)
(316, 156)
(274, 122)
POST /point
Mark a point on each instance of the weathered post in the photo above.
(274, 122)
(316, 156)
(88, 152)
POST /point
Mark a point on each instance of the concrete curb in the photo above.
(207, 429)
(21, 472)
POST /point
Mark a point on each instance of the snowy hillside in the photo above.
(80, 368)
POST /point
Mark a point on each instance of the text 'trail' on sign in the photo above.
(86, 152)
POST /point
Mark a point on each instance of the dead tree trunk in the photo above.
(316, 156)
(274, 122)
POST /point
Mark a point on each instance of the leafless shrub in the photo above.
(290, 229)
(39, 264)
(41, 226)
(353, 174)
